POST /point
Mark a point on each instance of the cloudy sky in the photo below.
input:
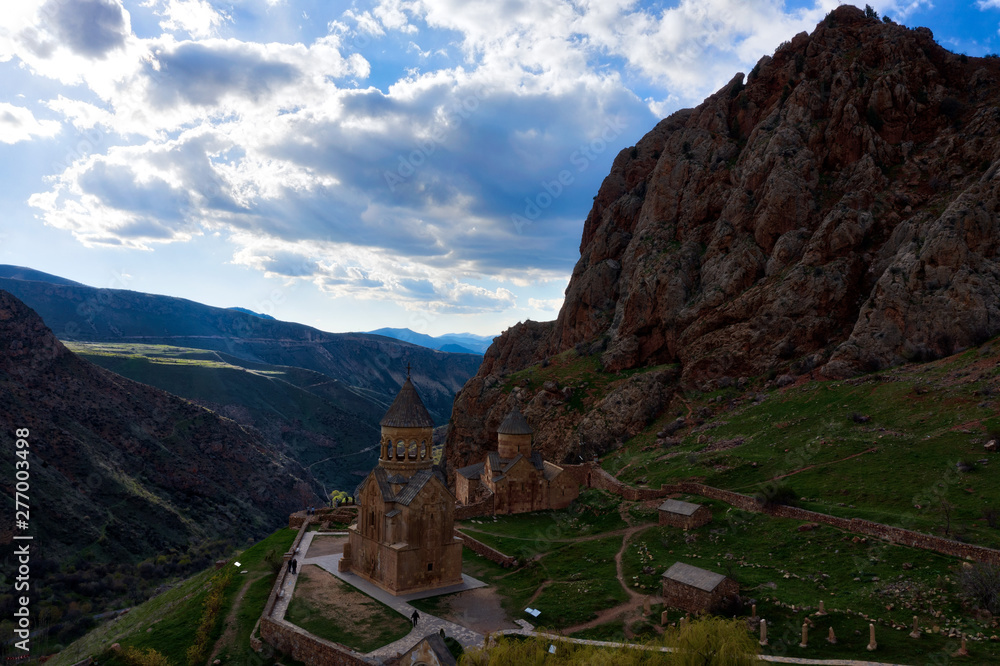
(356, 165)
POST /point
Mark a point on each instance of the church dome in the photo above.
(407, 410)
(514, 424)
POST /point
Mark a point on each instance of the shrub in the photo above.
(870, 12)
(981, 586)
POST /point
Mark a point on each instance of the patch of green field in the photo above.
(883, 447)
(318, 421)
(526, 535)
(327, 619)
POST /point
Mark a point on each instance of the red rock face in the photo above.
(837, 212)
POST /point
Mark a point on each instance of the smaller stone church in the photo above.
(516, 476)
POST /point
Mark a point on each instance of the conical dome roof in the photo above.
(514, 424)
(407, 410)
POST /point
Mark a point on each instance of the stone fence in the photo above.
(294, 641)
(342, 514)
(888, 533)
(490, 553)
(592, 475)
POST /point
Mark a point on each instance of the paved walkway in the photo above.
(428, 624)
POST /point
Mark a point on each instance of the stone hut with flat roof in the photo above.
(516, 475)
(685, 515)
(404, 539)
(695, 590)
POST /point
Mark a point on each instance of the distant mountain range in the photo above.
(459, 343)
(373, 365)
(312, 396)
(120, 470)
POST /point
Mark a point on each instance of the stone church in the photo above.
(404, 539)
(515, 474)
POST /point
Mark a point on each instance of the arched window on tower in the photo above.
(413, 449)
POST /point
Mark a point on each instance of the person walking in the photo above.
(415, 617)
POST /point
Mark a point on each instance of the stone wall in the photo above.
(297, 642)
(490, 553)
(596, 477)
(483, 507)
(888, 533)
(307, 648)
(343, 514)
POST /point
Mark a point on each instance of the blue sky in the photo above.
(408, 163)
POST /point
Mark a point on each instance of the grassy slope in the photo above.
(168, 621)
(921, 421)
(322, 423)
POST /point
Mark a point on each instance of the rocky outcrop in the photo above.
(125, 470)
(835, 211)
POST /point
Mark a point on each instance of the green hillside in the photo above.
(307, 415)
(168, 623)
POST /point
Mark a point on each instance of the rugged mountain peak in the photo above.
(835, 211)
(27, 346)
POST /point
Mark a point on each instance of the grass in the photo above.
(167, 622)
(883, 447)
(528, 534)
(329, 608)
(787, 572)
(320, 422)
(570, 368)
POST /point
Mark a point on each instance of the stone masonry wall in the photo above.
(483, 507)
(300, 644)
(596, 477)
(488, 552)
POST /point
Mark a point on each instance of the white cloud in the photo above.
(196, 17)
(546, 304)
(19, 124)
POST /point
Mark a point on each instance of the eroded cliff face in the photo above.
(837, 213)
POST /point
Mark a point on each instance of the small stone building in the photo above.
(696, 590)
(516, 475)
(429, 651)
(404, 538)
(686, 515)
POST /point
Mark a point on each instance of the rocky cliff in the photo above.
(121, 470)
(833, 212)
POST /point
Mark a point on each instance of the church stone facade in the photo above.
(404, 539)
(515, 474)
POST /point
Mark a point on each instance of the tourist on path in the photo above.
(415, 617)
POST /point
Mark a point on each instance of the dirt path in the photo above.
(538, 592)
(229, 634)
(832, 462)
(635, 602)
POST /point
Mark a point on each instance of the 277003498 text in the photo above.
(22, 558)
